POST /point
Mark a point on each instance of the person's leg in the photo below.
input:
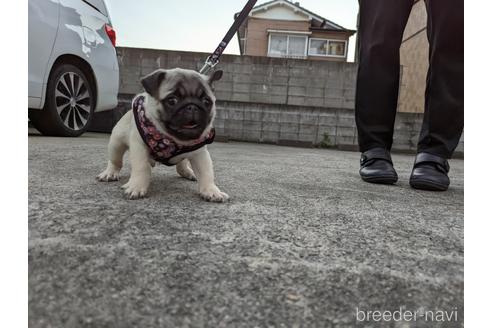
(443, 117)
(381, 27)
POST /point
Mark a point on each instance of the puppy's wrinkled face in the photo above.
(187, 103)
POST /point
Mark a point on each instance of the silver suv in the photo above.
(73, 68)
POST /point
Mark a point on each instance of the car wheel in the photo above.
(69, 105)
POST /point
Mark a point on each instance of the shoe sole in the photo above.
(427, 185)
(388, 179)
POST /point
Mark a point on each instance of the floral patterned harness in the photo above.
(162, 148)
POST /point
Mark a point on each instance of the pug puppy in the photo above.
(171, 122)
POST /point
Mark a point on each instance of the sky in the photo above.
(198, 25)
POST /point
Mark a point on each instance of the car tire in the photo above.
(69, 105)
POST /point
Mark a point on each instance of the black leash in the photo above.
(213, 59)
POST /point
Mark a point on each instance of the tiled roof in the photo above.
(325, 24)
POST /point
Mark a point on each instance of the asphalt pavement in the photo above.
(303, 242)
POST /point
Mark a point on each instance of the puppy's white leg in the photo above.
(116, 150)
(139, 182)
(203, 167)
(184, 169)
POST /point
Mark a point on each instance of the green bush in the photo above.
(326, 142)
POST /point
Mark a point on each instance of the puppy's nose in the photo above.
(192, 111)
(191, 108)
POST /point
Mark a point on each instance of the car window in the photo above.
(99, 5)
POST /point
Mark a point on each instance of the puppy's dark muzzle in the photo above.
(191, 112)
(191, 116)
(190, 119)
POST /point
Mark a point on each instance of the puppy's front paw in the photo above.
(213, 194)
(135, 190)
(108, 175)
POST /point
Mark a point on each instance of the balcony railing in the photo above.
(287, 56)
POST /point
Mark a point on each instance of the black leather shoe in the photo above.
(376, 166)
(430, 172)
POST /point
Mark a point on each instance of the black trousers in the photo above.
(381, 26)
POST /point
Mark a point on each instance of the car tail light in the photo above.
(111, 34)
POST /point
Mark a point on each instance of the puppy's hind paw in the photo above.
(184, 170)
(134, 190)
(190, 176)
(213, 194)
(108, 176)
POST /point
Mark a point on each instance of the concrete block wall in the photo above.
(273, 123)
(271, 100)
(252, 79)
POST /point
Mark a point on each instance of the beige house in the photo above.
(282, 28)
(414, 60)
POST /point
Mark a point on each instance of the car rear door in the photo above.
(43, 26)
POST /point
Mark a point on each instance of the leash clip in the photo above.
(208, 66)
(213, 59)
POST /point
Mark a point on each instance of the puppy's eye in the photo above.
(207, 101)
(172, 101)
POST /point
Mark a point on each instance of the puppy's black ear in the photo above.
(217, 75)
(152, 82)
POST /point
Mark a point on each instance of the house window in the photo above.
(283, 45)
(327, 48)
